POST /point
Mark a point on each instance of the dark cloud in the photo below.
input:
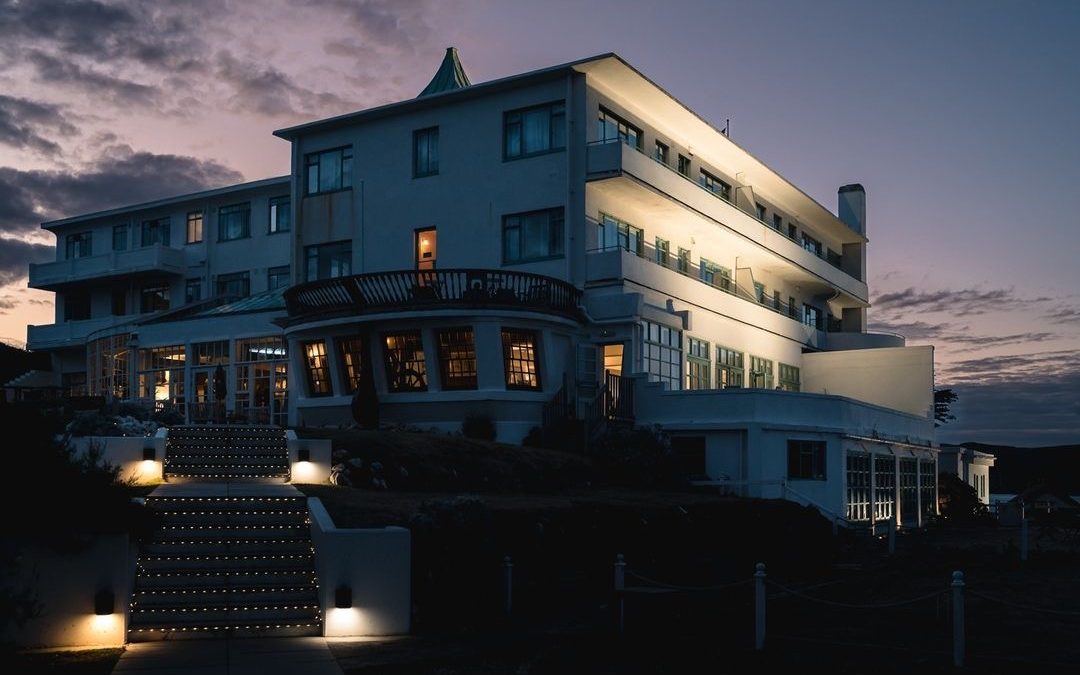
(117, 177)
(913, 330)
(1016, 368)
(1063, 315)
(14, 256)
(27, 124)
(54, 71)
(946, 333)
(956, 302)
(398, 25)
(270, 91)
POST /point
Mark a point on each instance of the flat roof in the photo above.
(167, 201)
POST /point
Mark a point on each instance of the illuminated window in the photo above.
(405, 367)
(536, 235)
(615, 234)
(155, 232)
(661, 353)
(277, 277)
(261, 349)
(234, 222)
(107, 365)
(534, 131)
(352, 361)
(328, 261)
(928, 486)
(884, 487)
(806, 460)
(79, 245)
(234, 285)
(714, 185)
(119, 237)
(698, 364)
(161, 374)
(194, 227)
(210, 353)
(426, 152)
(788, 377)
(730, 373)
(280, 214)
(858, 486)
(153, 299)
(519, 359)
(318, 370)
(329, 171)
(611, 127)
(761, 373)
(457, 358)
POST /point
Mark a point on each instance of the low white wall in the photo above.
(126, 452)
(375, 563)
(320, 458)
(66, 586)
(900, 378)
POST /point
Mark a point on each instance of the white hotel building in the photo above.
(571, 242)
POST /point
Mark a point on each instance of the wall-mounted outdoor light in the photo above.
(303, 454)
(149, 453)
(343, 597)
(104, 602)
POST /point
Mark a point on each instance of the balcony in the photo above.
(150, 260)
(70, 333)
(614, 159)
(411, 290)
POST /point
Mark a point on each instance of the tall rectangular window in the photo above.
(193, 290)
(759, 292)
(661, 153)
(714, 185)
(234, 222)
(661, 353)
(532, 236)
(715, 275)
(812, 316)
(698, 364)
(79, 245)
(194, 227)
(858, 486)
(534, 131)
(329, 171)
(280, 214)
(928, 486)
(806, 460)
(789, 377)
(235, 285)
(611, 127)
(760, 212)
(352, 361)
(778, 222)
(761, 373)
(682, 264)
(684, 165)
(520, 364)
(119, 237)
(426, 152)
(792, 232)
(153, 299)
(404, 360)
(457, 358)
(812, 245)
(884, 487)
(318, 369)
(615, 234)
(277, 277)
(663, 252)
(328, 261)
(730, 373)
(156, 232)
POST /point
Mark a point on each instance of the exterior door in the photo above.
(426, 249)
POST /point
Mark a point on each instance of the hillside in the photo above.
(15, 362)
(1017, 468)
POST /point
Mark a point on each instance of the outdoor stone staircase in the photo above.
(232, 555)
(225, 453)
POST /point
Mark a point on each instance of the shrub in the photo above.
(479, 427)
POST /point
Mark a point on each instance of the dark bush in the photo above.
(636, 457)
(479, 427)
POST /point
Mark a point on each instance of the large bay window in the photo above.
(519, 359)
(318, 369)
(457, 358)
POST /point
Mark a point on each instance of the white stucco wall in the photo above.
(317, 468)
(375, 563)
(901, 378)
(126, 453)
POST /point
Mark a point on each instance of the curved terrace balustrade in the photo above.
(430, 289)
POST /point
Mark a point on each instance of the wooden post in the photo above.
(508, 583)
(620, 584)
(759, 607)
(958, 618)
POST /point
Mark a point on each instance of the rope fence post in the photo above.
(508, 584)
(620, 584)
(759, 607)
(1023, 538)
(958, 618)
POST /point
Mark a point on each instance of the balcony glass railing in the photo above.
(831, 257)
(715, 278)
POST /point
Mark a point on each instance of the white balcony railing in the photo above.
(150, 259)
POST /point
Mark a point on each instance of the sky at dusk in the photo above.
(959, 118)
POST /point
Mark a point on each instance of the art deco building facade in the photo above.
(571, 243)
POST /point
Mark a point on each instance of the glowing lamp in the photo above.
(303, 454)
(104, 602)
(343, 597)
(149, 454)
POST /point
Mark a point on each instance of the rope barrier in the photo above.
(835, 603)
(673, 587)
(1044, 610)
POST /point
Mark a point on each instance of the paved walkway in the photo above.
(229, 656)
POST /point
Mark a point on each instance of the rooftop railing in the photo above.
(432, 289)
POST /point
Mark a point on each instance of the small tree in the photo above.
(943, 400)
(958, 501)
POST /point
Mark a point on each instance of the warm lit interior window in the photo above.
(352, 360)
(457, 358)
(318, 369)
(519, 359)
(405, 368)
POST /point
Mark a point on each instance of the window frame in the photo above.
(807, 459)
(624, 234)
(123, 230)
(507, 336)
(663, 252)
(239, 208)
(767, 375)
(273, 207)
(709, 181)
(672, 347)
(243, 276)
(661, 152)
(79, 245)
(162, 291)
(393, 384)
(342, 246)
(426, 135)
(278, 271)
(556, 217)
(323, 386)
(350, 350)
(727, 369)
(160, 230)
(188, 284)
(189, 220)
(345, 152)
(685, 163)
(459, 353)
(556, 121)
(698, 364)
(620, 136)
(788, 377)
